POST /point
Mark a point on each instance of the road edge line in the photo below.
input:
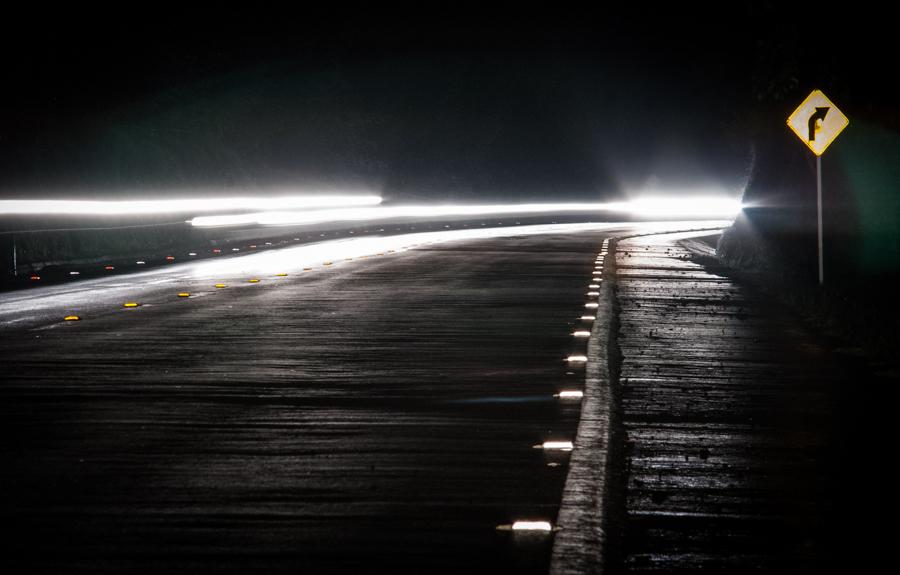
(579, 547)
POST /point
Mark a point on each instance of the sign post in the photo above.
(817, 122)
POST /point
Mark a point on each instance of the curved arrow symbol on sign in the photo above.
(819, 115)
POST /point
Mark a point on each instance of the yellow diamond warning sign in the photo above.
(817, 121)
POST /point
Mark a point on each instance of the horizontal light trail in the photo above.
(187, 205)
(687, 207)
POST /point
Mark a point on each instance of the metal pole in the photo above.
(819, 196)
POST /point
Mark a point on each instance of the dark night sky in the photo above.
(522, 103)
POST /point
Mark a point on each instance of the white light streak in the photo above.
(570, 394)
(592, 305)
(588, 317)
(647, 207)
(190, 205)
(576, 358)
(582, 334)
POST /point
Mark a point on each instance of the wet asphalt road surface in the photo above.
(374, 415)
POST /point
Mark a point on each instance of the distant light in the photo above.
(681, 207)
(543, 526)
(581, 333)
(253, 246)
(131, 304)
(140, 262)
(74, 273)
(72, 318)
(570, 394)
(270, 243)
(594, 286)
(193, 205)
(192, 254)
(561, 445)
(593, 293)
(592, 305)
(184, 294)
(596, 279)
(588, 317)
(109, 268)
(220, 286)
(577, 358)
(170, 258)
(235, 249)
(216, 251)
(35, 278)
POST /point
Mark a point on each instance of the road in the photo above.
(378, 413)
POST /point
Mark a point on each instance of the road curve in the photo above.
(366, 415)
